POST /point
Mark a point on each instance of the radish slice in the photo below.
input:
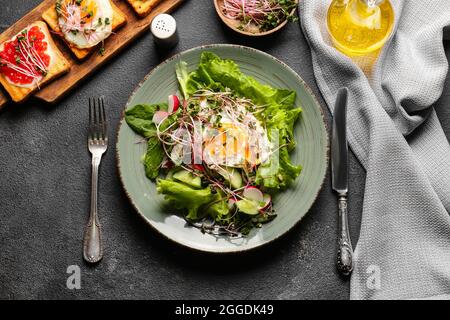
(253, 193)
(160, 116)
(198, 167)
(174, 103)
(267, 199)
(231, 203)
(166, 164)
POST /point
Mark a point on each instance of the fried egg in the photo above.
(85, 23)
(236, 144)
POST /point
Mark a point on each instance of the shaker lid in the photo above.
(163, 26)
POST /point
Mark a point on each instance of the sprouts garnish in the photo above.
(264, 14)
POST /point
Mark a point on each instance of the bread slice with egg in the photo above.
(143, 7)
(58, 67)
(51, 17)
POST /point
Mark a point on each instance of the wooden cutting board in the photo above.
(134, 27)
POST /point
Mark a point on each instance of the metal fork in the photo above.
(97, 144)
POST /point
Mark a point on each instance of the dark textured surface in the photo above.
(44, 195)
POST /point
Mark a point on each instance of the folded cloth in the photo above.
(403, 251)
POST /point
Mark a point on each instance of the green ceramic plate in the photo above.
(291, 205)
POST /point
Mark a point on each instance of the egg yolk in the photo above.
(86, 8)
(231, 142)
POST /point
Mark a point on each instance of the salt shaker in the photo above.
(164, 30)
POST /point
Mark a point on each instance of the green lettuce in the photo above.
(182, 76)
(218, 208)
(277, 173)
(153, 158)
(198, 202)
(139, 118)
(216, 73)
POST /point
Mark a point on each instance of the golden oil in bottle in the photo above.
(359, 27)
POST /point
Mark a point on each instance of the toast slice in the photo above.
(50, 16)
(143, 7)
(58, 66)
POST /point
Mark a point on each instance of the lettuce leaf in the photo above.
(284, 121)
(218, 208)
(153, 158)
(182, 76)
(214, 72)
(139, 118)
(277, 173)
(198, 203)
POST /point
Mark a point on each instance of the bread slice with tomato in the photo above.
(30, 60)
(51, 17)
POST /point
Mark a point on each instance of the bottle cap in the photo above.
(164, 30)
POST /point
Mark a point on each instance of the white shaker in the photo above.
(164, 30)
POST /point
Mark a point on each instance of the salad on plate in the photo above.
(219, 150)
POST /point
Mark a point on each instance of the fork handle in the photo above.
(92, 243)
(345, 250)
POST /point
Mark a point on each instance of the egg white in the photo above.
(255, 138)
(82, 39)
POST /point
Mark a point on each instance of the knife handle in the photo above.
(345, 250)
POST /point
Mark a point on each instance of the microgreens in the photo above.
(264, 14)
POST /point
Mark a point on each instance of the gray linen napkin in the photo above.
(403, 250)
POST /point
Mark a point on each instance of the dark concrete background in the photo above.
(44, 195)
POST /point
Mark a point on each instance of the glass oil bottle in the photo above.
(360, 27)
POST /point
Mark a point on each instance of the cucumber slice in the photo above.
(248, 206)
(188, 178)
(170, 174)
(233, 176)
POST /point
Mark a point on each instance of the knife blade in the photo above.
(339, 173)
(339, 147)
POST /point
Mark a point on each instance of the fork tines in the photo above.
(97, 119)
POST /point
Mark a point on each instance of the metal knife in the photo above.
(339, 172)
